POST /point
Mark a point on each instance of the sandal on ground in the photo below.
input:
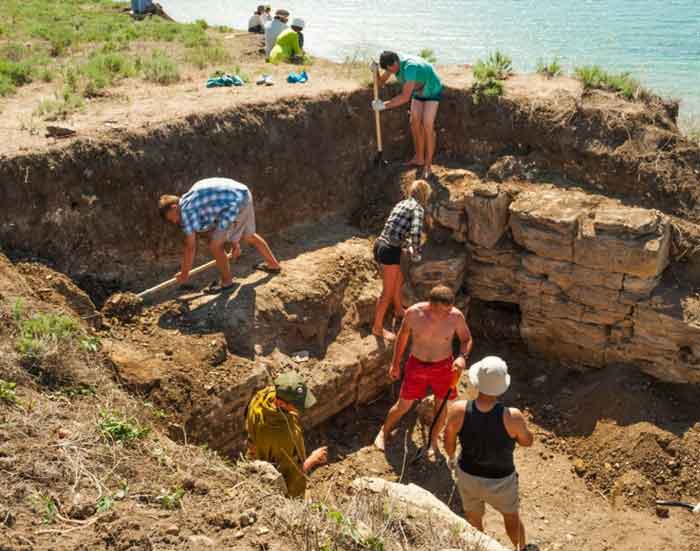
(215, 288)
(263, 267)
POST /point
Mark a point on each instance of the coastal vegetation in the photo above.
(595, 77)
(429, 55)
(549, 69)
(87, 46)
(490, 74)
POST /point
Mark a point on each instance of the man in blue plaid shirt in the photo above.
(223, 209)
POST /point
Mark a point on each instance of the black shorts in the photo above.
(386, 254)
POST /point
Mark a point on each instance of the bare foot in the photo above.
(379, 440)
(414, 162)
(383, 334)
(426, 172)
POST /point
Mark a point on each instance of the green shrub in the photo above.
(45, 506)
(202, 24)
(60, 106)
(428, 55)
(42, 332)
(103, 69)
(160, 68)
(497, 66)
(7, 88)
(204, 56)
(171, 500)
(490, 74)
(594, 77)
(7, 392)
(549, 70)
(118, 429)
(17, 72)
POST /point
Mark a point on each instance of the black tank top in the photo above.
(487, 448)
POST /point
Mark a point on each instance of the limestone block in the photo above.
(450, 218)
(567, 274)
(598, 297)
(503, 254)
(420, 501)
(333, 381)
(492, 282)
(267, 474)
(487, 214)
(563, 330)
(626, 240)
(640, 287)
(547, 222)
(533, 285)
(442, 264)
(375, 357)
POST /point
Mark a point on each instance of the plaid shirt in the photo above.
(406, 219)
(212, 203)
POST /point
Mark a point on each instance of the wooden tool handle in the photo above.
(173, 281)
(376, 113)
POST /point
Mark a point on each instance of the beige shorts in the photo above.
(499, 493)
(242, 226)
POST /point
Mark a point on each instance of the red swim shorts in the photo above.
(419, 376)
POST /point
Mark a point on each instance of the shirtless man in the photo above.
(432, 325)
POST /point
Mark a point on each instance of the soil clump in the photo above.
(123, 306)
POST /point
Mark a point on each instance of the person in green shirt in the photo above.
(288, 45)
(422, 87)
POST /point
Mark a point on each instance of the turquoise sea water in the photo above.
(656, 40)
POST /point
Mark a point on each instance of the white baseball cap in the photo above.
(490, 376)
(298, 22)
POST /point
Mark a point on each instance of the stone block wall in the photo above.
(587, 272)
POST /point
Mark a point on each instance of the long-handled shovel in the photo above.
(173, 281)
(694, 508)
(377, 123)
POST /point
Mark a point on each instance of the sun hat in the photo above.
(490, 376)
(298, 22)
(291, 387)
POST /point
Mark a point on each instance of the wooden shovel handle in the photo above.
(376, 113)
(173, 281)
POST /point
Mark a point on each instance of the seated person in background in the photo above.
(273, 30)
(275, 434)
(287, 49)
(256, 23)
(266, 16)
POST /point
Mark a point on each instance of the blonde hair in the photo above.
(165, 202)
(420, 190)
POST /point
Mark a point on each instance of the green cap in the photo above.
(291, 387)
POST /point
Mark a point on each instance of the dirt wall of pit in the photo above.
(89, 206)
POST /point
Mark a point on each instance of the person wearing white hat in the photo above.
(288, 47)
(488, 432)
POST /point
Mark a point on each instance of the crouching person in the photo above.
(488, 432)
(275, 434)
